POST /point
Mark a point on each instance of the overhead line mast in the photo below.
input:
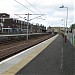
(29, 20)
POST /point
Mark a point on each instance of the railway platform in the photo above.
(51, 57)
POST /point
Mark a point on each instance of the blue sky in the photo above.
(54, 14)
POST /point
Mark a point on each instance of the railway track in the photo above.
(10, 38)
(12, 48)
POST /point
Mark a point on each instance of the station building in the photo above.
(12, 25)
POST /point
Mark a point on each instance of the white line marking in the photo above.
(12, 61)
(61, 65)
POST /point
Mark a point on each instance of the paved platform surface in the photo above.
(68, 59)
(57, 59)
(13, 64)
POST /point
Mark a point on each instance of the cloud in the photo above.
(48, 7)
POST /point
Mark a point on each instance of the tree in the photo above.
(73, 26)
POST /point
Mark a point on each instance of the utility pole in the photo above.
(29, 20)
(27, 25)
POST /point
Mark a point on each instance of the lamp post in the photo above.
(66, 20)
(63, 24)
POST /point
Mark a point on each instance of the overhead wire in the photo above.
(28, 8)
(19, 16)
(24, 6)
(32, 6)
(35, 17)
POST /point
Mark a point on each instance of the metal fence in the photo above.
(71, 38)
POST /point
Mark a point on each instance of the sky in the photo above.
(53, 15)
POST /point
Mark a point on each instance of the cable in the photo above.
(24, 6)
(27, 8)
(19, 16)
(36, 17)
(30, 19)
(32, 5)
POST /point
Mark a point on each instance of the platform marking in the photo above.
(61, 65)
(13, 70)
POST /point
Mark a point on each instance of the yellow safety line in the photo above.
(25, 61)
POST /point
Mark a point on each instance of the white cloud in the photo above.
(59, 13)
(48, 7)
